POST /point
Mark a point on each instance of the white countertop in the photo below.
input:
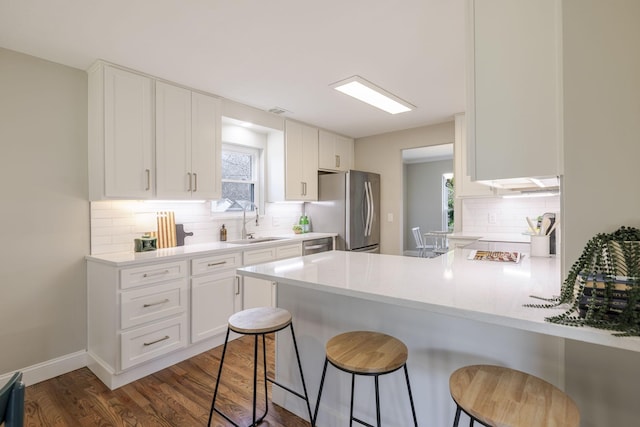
(127, 258)
(487, 291)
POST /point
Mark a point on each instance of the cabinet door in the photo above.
(205, 147)
(173, 142)
(464, 187)
(344, 153)
(128, 134)
(301, 162)
(310, 162)
(212, 303)
(514, 104)
(334, 151)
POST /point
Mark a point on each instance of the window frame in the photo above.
(257, 174)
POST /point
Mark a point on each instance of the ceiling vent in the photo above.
(278, 110)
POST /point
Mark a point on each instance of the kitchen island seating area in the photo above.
(366, 353)
(259, 322)
(498, 396)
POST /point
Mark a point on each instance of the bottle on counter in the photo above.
(223, 234)
(306, 226)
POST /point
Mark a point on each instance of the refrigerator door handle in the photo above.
(367, 225)
(373, 208)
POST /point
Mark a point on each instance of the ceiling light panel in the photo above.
(371, 94)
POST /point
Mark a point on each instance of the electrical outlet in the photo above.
(493, 218)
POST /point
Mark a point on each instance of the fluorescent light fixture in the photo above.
(366, 91)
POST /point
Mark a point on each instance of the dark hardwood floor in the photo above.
(177, 396)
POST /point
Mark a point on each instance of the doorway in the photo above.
(427, 193)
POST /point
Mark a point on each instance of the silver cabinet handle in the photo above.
(337, 161)
(213, 264)
(166, 337)
(148, 173)
(312, 247)
(237, 285)
(195, 182)
(151, 304)
(189, 175)
(155, 274)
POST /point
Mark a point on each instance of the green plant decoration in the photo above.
(603, 285)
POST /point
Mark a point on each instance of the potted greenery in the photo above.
(602, 288)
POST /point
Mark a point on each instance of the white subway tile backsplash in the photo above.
(510, 214)
(115, 224)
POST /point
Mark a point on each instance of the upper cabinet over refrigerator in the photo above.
(514, 92)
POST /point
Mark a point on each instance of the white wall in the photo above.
(601, 151)
(45, 212)
(383, 154)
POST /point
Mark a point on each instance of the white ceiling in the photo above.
(282, 53)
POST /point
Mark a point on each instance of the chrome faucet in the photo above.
(244, 219)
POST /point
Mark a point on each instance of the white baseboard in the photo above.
(50, 369)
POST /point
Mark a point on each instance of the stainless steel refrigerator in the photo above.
(348, 204)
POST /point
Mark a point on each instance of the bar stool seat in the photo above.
(366, 353)
(259, 322)
(501, 397)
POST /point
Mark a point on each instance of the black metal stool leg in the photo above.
(304, 386)
(377, 401)
(413, 408)
(353, 383)
(324, 372)
(456, 420)
(215, 392)
(255, 376)
(264, 367)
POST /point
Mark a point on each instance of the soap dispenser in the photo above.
(223, 234)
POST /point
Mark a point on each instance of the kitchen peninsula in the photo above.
(450, 311)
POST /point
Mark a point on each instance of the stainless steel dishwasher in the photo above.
(314, 246)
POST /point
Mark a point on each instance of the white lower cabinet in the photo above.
(143, 318)
(215, 294)
(258, 292)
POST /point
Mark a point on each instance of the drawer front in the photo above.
(149, 274)
(146, 343)
(216, 263)
(139, 306)
(289, 251)
(257, 256)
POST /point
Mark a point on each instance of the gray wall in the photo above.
(383, 154)
(601, 152)
(423, 200)
(45, 212)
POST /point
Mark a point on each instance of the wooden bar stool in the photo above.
(259, 322)
(366, 353)
(502, 397)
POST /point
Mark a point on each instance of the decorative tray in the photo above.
(500, 256)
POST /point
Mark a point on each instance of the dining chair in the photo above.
(420, 245)
(12, 402)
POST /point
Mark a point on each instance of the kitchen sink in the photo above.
(255, 240)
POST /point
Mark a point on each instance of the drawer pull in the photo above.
(156, 303)
(146, 344)
(155, 274)
(213, 264)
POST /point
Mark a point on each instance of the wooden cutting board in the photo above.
(166, 229)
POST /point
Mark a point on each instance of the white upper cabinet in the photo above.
(464, 187)
(514, 115)
(335, 152)
(187, 144)
(301, 161)
(120, 134)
